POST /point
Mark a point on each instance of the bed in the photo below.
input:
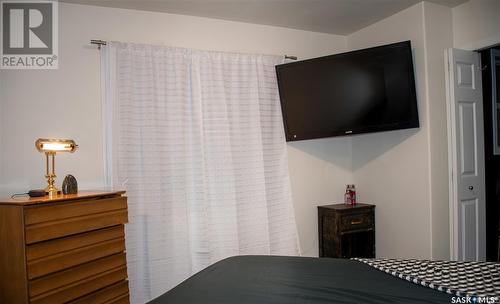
(274, 279)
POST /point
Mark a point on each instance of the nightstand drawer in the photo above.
(356, 221)
(346, 231)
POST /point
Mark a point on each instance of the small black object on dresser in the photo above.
(70, 185)
(346, 231)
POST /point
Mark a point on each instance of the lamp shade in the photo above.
(55, 145)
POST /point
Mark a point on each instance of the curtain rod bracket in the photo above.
(98, 42)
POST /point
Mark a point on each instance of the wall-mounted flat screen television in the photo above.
(363, 91)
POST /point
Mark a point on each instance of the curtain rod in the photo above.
(100, 43)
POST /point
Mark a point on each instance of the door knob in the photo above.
(471, 188)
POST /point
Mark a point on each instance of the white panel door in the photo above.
(466, 155)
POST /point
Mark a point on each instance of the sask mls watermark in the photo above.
(29, 35)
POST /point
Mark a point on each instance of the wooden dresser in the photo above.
(69, 249)
(346, 231)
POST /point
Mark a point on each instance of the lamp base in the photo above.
(52, 191)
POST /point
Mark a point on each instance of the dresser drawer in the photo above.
(120, 300)
(46, 213)
(47, 222)
(67, 259)
(117, 293)
(54, 247)
(356, 221)
(75, 274)
(82, 288)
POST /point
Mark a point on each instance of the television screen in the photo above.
(362, 91)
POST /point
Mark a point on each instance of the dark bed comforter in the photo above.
(273, 279)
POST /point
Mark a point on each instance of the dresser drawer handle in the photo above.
(356, 222)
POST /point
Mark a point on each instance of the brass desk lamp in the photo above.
(50, 147)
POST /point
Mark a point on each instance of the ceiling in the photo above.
(340, 17)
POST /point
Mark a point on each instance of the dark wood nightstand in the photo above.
(346, 231)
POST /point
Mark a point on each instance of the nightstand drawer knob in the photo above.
(356, 222)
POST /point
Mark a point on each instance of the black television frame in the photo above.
(414, 123)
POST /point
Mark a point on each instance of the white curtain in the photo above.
(197, 140)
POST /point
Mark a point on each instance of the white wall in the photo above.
(476, 24)
(65, 102)
(405, 173)
(392, 169)
(438, 35)
(319, 170)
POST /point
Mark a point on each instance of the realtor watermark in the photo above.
(29, 34)
(475, 300)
